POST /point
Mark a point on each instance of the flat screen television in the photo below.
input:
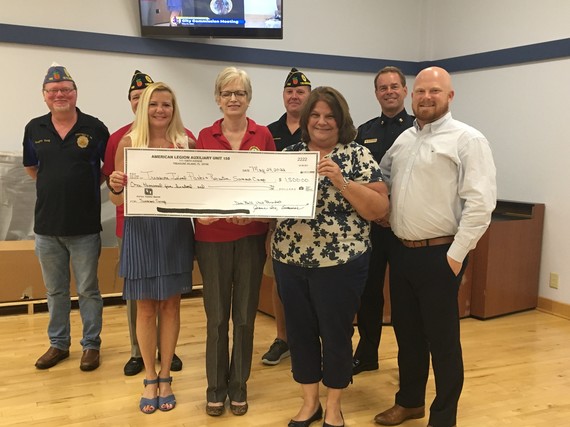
(212, 18)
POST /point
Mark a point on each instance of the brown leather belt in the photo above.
(427, 242)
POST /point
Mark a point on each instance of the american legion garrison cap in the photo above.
(140, 80)
(57, 73)
(297, 78)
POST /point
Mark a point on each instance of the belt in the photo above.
(436, 241)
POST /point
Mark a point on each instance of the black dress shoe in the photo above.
(306, 423)
(133, 366)
(176, 364)
(359, 366)
(325, 424)
(51, 358)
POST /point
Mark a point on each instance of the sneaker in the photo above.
(278, 350)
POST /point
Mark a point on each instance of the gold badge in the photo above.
(370, 140)
(82, 141)
(253, 148)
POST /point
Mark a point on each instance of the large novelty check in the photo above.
(201, 183)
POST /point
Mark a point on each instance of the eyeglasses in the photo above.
(64, 91)
(227, 94)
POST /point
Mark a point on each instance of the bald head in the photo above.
(435, 74)
(432, 94)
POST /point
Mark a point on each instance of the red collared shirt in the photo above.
(256, 138)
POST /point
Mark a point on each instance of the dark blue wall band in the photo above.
(179, 49)
(545, 51)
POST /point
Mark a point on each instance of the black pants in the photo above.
(425, 316)
(372, 305)
(320, 304)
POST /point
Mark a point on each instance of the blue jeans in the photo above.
(55, 254)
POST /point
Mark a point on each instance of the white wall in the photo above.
(103, 81)
(522, 109)
(316, 26)
(523, 112)
(460, 27)
(103, 78)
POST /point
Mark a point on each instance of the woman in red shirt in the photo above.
(231, 255)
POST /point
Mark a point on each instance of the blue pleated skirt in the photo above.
(156, 257)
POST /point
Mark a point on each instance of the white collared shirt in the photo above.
(442, 181)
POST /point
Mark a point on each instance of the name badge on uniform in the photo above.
(371, 140)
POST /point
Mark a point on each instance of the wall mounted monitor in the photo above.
(261, 19)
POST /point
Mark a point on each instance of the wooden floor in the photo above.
(517, 374)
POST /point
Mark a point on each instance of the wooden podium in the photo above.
(506, 261)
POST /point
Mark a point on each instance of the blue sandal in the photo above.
(145, 401)
(168, 400)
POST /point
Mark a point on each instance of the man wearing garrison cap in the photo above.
(285, 131)
(296, 91)
(63, 151)
(139, 82)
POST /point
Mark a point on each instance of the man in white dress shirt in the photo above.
(442, 179)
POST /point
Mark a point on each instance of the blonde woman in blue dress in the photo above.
(157, 252)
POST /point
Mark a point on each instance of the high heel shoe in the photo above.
(306, 423)
(168, 400)
(145, 401)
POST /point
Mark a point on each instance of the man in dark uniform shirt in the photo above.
(63, 151)
(286, 131)
(378, 135)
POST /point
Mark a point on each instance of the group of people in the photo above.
(416, 192)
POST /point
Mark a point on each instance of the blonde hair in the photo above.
(228, 75)
(140, 133)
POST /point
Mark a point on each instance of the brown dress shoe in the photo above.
(51, 358)
(89, 360)
(398, 414)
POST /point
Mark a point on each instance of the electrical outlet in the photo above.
(553, 283)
